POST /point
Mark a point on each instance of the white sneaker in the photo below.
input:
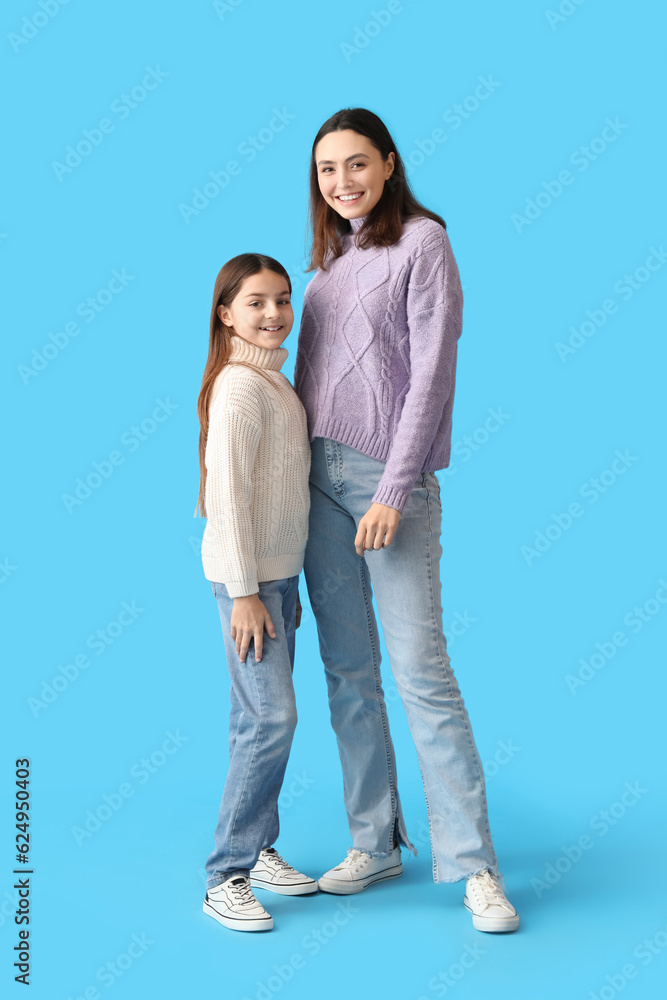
(233, 904)
(486, 900)
(360, 870)
(271, 872)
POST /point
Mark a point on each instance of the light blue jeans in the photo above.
(405, 578)
(262, 720)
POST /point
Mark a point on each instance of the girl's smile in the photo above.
(261, 311)
(351, 172)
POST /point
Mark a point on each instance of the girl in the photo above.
(375, 370)
(254, 460)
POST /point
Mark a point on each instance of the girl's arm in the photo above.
(434, 314)
(231, 448)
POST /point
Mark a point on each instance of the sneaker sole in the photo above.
(341, 888)
(297, 889)
(491, 924)
(236, 923)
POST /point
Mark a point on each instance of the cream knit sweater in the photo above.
(257, 465)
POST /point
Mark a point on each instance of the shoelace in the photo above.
(354, 859)
(240, 887)
(486, 888)
(275, 858)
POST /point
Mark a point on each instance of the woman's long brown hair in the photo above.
(397, 202)
(227, 286)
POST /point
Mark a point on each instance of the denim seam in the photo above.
(250, 763)
(436, 871)
(391, 777)
(460, 708)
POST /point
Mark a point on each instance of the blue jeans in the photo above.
(405, 578)
(262, 720)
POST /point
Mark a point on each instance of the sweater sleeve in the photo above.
(231, 448)
(434, 316)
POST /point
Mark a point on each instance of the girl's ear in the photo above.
(223, 315)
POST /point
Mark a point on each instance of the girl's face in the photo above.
(351, 172)
(261, 311)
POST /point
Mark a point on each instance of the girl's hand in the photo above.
(298, 610)
(376, 528)
(249, 616)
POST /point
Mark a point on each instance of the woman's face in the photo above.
(351, 172)
(261, 311)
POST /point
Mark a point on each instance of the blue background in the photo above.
(66, 573)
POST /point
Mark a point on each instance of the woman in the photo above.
(375, 371)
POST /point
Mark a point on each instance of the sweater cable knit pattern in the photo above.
(376, 359)
(257, 465)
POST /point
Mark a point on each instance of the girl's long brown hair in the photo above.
(227, 286)
(397, 202)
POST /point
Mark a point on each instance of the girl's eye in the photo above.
(357, 164)
(284, 302)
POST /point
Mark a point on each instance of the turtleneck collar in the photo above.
(272, 358)
(358, 223)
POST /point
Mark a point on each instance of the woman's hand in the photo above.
(298, 609)
(249, 616)
(376, 528)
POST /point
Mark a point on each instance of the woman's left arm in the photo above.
(434, 316)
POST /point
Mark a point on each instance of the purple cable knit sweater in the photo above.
(376, 358)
